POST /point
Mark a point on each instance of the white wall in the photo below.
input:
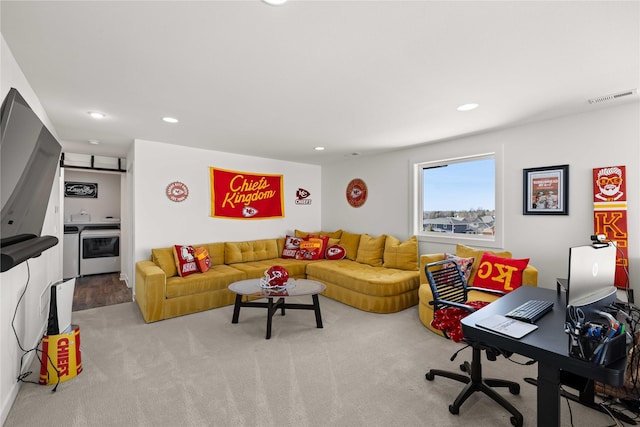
(603, 137)
(108, 201)
(34, 275)
(159, 222)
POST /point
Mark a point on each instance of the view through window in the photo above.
(457, 198)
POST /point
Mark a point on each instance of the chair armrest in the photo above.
(455, 304)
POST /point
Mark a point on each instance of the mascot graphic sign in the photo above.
(610, 213)
(243, 195)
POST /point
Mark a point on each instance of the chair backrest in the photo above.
(447, 283)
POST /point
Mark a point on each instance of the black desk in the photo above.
(548, 345)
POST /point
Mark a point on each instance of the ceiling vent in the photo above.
(613, 97)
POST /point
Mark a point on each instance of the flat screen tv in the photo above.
(29, 156)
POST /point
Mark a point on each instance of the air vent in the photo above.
(612, 97)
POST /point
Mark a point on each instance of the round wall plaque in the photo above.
(356, 192)
(177, 191)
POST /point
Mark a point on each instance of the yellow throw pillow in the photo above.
(469, 252)
(370, 250)
(163, 258)
(331, 234)
(403, 256)
(350, 242)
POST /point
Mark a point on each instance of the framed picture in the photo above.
(85, 190)
(546, 190)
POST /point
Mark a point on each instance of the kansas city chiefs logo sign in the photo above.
(302, 197)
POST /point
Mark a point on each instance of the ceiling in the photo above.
(356, 77)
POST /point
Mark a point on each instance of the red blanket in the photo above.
(448, 319)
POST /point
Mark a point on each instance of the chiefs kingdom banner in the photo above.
(243, 195)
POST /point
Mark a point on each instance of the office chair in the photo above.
(450, 290)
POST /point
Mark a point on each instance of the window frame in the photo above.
(495, 241)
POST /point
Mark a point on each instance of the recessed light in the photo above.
(467, 107)
(275, 2)
(318, 148)
(97, 115)
(170, 120)
(94, 142)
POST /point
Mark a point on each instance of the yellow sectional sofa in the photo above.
(425, 310)
(377, 274)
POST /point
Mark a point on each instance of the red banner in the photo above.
(242, 195)
(610, 213)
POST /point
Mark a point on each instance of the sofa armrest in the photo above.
(151, 283)
(428, 259)
(530, 276)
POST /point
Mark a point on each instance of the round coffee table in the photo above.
(294, 288)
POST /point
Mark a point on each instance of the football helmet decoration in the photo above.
(275, 277)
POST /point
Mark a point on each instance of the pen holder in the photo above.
(585, 347)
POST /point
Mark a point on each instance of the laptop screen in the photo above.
(592, 272)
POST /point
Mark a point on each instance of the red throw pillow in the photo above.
(185, 260)
(501, 274)
(202, 259)
(291, 247)
(312, 248)
(335, 252)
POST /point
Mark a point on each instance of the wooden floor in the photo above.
(100, 290)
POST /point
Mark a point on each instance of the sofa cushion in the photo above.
(253, 250)
(371, 250)
(498, 273)
(350, 243)
(403, 256)
(363, 278)
(218, 277)
(185, 260)
(256, 269)
(469, 252)
(331, 234)
(164, 258)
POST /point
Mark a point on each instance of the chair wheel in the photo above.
(463, 367)
(515, 422)
(454, 410)
(429, 376)
(515, 389)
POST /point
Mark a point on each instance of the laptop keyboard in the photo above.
(530, 311)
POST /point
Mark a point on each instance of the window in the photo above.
(456, 200)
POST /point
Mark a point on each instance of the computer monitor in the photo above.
(592, 270)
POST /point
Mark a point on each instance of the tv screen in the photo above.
(29, 156)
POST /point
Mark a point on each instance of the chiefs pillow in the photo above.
(291, 247)
(501, 274)
(465, 264)
(312, 248)
(202, 259)
(335, 252)
(185, 260)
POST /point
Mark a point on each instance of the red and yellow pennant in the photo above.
(610, 213)
(243, 195)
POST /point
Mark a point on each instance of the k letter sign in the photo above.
(242, 195)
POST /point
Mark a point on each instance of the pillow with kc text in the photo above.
(501, 274)
(185, 260)
(312, 248)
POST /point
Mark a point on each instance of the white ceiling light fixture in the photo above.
(170, 119)
(467, 107)
(318, 148)
(275, 2)
(94, 142)
(97, 115)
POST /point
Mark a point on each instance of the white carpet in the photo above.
(361, 369)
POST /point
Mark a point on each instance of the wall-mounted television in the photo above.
(29, 156)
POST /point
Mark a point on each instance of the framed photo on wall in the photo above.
(546, 190)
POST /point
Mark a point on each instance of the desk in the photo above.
(548, 345)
